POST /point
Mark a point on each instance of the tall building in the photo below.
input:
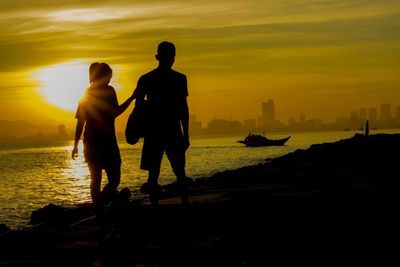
(267, 118)
(372, 114)
(386, 112)
(398, 113)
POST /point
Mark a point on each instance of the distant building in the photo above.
(353, 116)
(250, 125)
(341, 121)
(363, 114)
(398, 113)
(292, 122)
(372, 114)
(353, 119)
(267, 118)
(386, 112)
(302, 119)
(314, 123)
(221, 126)
(195, 126)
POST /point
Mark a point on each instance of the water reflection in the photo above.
(76, 174)
(32, 178)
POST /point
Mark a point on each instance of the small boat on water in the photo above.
(255, 140)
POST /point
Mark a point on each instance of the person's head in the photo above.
(93, 69)
(100, 73)
(166, 54)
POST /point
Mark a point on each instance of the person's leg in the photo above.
(95, 184)
(177, 159)
(154, 189)
(154, 174)
(152, 154)
(114, 177)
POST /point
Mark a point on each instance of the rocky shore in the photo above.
(333, 204)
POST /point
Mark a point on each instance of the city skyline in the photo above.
(268, 120)
(384, 115)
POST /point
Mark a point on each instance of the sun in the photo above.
(63, 85)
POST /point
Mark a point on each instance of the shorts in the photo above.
(103, 154)
(153, 151)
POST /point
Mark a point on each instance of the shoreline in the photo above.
(316, 206)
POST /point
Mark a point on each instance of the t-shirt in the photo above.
(166, 92)
(95, 109)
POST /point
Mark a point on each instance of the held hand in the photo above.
(75, 153)
(132, 97)
(134, 94)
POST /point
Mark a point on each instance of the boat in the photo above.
(255, 140)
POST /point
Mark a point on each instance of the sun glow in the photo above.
(63, 85)
(88, 14)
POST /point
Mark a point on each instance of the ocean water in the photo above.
(34, 177)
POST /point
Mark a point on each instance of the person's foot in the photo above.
(122, 197)
(188, 180)
(107, 196)
(183, 186)
(153, 190)
(148, 188)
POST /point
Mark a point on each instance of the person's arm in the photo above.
(137, 94)
(120, 109)
(184, 112)
(78, 133)
(185, 123)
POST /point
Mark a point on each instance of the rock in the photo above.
(4, 228)
(46, 214)
(123, 196)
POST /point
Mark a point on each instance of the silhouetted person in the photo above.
(97, 112)
(168, 120)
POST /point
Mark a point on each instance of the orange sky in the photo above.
(318, 58)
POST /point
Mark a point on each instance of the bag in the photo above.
(137, 122)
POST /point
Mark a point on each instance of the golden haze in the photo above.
(316, 58)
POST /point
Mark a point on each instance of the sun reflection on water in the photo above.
(34, 177)
(78, 176)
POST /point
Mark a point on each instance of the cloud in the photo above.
(253, 40)
(50, 33)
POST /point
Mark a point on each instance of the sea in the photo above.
(32, 177)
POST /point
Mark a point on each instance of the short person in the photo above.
(96, 115)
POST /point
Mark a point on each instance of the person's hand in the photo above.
(74, 152)
(133, 96)
(186, 142)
